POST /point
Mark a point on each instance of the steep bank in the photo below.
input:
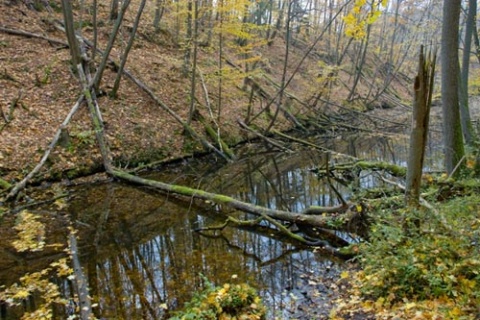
(39, 89)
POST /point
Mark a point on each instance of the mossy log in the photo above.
(318, 219)
(393, 169)
(223, 146)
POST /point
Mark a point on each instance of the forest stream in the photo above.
(144, 259)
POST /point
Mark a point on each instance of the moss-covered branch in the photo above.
(393, 169)
(294, 217)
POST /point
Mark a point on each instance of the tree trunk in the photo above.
(467, 127)
(116, 85)
(452, 129)
(114, 10)
(70, 32)
(113, 35)
(420, 118)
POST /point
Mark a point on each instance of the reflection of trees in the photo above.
(136, 275)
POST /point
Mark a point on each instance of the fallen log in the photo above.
(315, 220)
(20, 185)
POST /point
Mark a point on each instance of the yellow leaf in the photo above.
(344, 275)
(21, 294)
(410, 305)
(379, 302)
(455, 312)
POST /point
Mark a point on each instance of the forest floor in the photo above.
(38, 89)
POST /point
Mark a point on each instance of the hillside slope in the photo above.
(39, 89)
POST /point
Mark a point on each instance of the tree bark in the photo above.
(70, 32)
(418, 137)
(467, 128)
(116, 85)
(452, 129)
(106, 54)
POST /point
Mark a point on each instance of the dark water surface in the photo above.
(142, 256)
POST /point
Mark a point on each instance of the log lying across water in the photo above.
(314, 216)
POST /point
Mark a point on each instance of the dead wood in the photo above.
(261, 136)
(309, 144)
(438, 215)
(249, 224)
(216, 137)
(32, 35)
(186, 127)
(96, 119)
(302, 218)
(159, 102)
(393, 169)
(20, 185)
(420, 120)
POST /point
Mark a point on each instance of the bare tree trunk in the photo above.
(95, 30)
(113, 35)
(467, 128)
(418, 137)
(220, 61)
(360, 64)
(452, 128)
(188, 39)
(191, 111)
(114, 10)
(127, 49)
(70, 32)
(285, 65)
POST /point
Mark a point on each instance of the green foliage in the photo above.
(403, 262)
(45, 78)
(86, 137)
(231, 301)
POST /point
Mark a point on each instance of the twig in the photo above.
(456, 167)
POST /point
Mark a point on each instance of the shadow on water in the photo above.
(143, 257)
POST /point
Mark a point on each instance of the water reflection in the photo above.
(143, 257)
(148, 256)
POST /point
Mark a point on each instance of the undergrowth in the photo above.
(230, 301)
(412, 270)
